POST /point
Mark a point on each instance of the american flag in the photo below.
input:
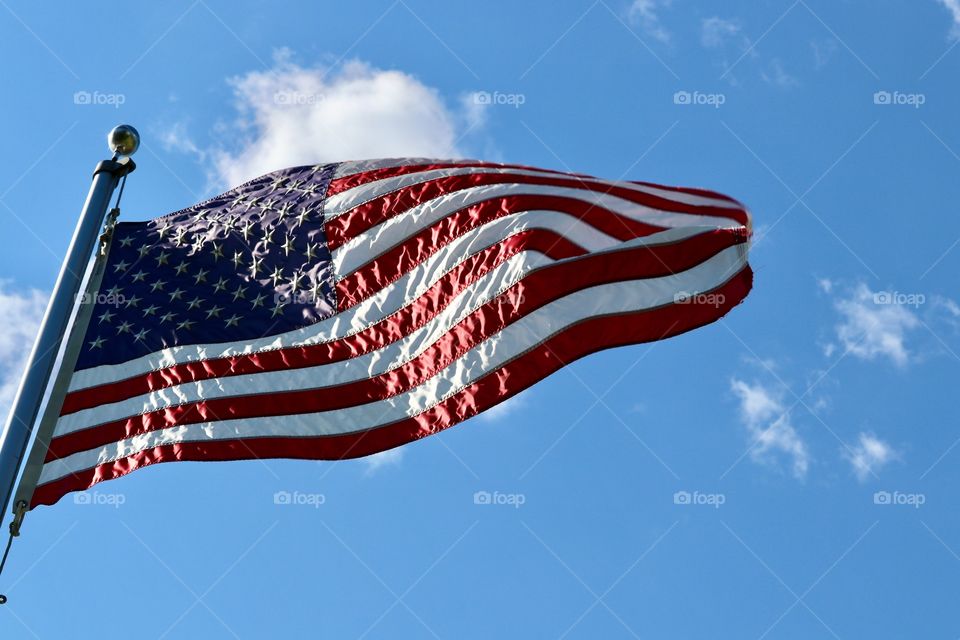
(336, 311)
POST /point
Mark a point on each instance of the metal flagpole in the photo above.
(124, 141)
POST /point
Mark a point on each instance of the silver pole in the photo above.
(26, 404)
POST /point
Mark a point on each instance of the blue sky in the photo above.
(788, 472)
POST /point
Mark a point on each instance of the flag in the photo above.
(341, 310)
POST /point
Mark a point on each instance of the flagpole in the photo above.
(124, 141)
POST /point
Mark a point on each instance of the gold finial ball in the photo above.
(124, 140)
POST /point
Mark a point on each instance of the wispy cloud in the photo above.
(291, 114)
(953, 6)
(776, 74)
(646, 14)
(869, 456)
(715, 31)
(505, 409)
(873, 324)
(20, 315)
(388, 458)
(768, 423)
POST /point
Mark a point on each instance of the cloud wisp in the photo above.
(771, 432)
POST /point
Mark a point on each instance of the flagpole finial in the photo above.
(123, 140)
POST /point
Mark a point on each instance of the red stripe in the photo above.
(693, 191)
(393, 263)
(529, 294)
(363, 217)
(340, 185)
(576, 342)
(390, 329)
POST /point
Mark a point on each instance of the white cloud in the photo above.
(645, 14)
(388, 458)
(823, 51)
(873, 327)
(768, 424)
(953, 6)
(505, 409)
(777, 75)
(715, 31)
(20, 315)
(869, 456)
(291, 114)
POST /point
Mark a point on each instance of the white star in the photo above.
(214, 312)
(106, 316)
(163, 258)
(176, 294)
(315, 291)
(241, 292)
(162, 231)
(139, 275)
(201, 276)
(233, 321)
(167, 317)
(133, 301)
(277, 310)
(311, 251)
(255, 266)
(237, 260)
(302, 216)
(121, 266)
(287, 246)
(96, 344)
(217, 251)
(258, 301)
(158, 285)
(124, 328)
(295, 281)
(149, 311)
(220, 285)
(181, 238)
(144, 250)
(277, 183)
(247, 230)
(140, 335)
(186, 324)
(181, 268)
(193, 304)
(114, 292)
(125, 242)
(285, 209)
(277, 276)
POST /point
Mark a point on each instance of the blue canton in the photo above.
(249, 263)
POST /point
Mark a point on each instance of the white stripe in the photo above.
(380, 238)
(340, 203)
(353, 167)
(385, 302)
(517, 338)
